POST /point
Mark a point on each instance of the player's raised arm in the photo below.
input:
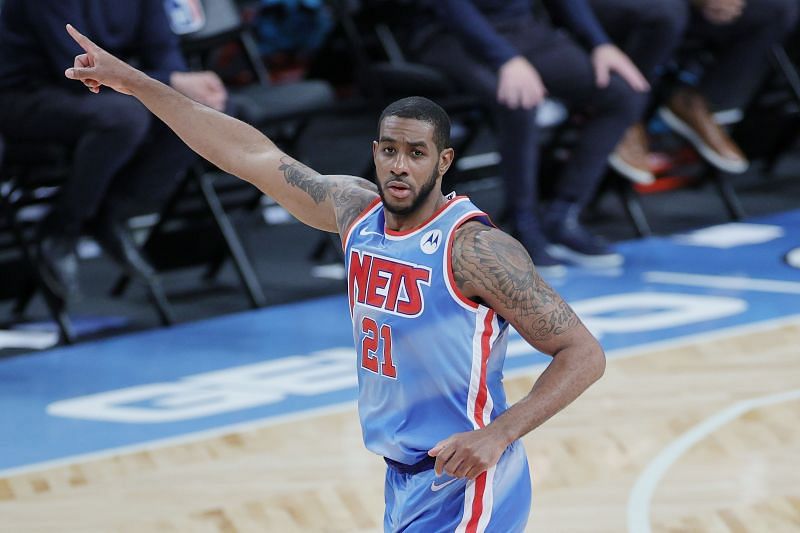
(324, 202)
(492, 267)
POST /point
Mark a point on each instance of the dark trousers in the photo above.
(648, 31)
(125, 160)
(741, 49)
(568, 75)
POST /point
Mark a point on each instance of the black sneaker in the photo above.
(571, 242)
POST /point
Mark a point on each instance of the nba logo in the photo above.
(185, 16)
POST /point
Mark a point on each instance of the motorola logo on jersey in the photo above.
(386, 284)
(431, 241)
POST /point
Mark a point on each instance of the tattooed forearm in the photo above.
(486, 261)
(302, 177)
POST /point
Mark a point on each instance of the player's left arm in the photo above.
(494, 269)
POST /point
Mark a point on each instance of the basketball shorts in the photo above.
(497, 501)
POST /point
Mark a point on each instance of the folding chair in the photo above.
(206, 198)
(18, 270)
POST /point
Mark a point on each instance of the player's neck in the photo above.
(420, 216)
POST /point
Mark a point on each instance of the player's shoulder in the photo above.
(474, 236)
(482, 255)
(351, 195)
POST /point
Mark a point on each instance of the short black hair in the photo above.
(420, 108)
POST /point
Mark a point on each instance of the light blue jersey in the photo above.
(430, 361)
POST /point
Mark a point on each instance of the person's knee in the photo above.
(620, 99)
(123, 116)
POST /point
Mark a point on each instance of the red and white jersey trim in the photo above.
(478, 497)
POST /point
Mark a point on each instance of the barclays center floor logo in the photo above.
(793, 258)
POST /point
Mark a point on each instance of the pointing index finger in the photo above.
(80, 38)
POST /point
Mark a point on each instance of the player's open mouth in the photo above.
(398, 189)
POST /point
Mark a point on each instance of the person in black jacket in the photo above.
(123, 160)
(501, 51)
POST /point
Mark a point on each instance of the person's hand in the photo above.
(519, 84)
(607, 58)
(720, 11)
(97, 67)
(204, 87)
(467, 455)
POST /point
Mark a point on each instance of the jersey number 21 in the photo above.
(375, 337)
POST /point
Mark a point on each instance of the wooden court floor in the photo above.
(701, 436)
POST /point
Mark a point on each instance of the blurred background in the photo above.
(314, 76)
(174, 344)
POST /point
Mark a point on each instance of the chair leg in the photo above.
(728, 195)
(321, 249)
(787, 69)
(336, 245)
(122, 284)
(633, 207)
(240, 260)
(57, 308)
(160, 302)
(55, 305)
(59, 313)
(214, 267)
(25, 297)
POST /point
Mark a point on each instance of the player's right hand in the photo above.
(97, 67)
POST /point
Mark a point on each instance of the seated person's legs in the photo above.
(568, 74)
(104, 131)
(649, 33)
(143, 185)
(517, 136)
(740, 45)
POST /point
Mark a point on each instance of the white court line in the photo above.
(724, 282)
(642, 492)
(630, 351)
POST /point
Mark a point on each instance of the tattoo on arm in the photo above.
(298, 175)
(349, 197)
(350, 202)
(487, 261)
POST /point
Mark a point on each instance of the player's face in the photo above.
(407, 164)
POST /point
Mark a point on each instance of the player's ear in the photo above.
(446, 157)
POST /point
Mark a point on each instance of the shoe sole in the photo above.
(559, 251)
(632, 173)
(683, 129)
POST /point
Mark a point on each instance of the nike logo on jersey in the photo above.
(387, 284)
(437, 488)
(364, 232)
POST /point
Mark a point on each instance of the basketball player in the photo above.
(433, 288)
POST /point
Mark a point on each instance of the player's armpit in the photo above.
(492, 267)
